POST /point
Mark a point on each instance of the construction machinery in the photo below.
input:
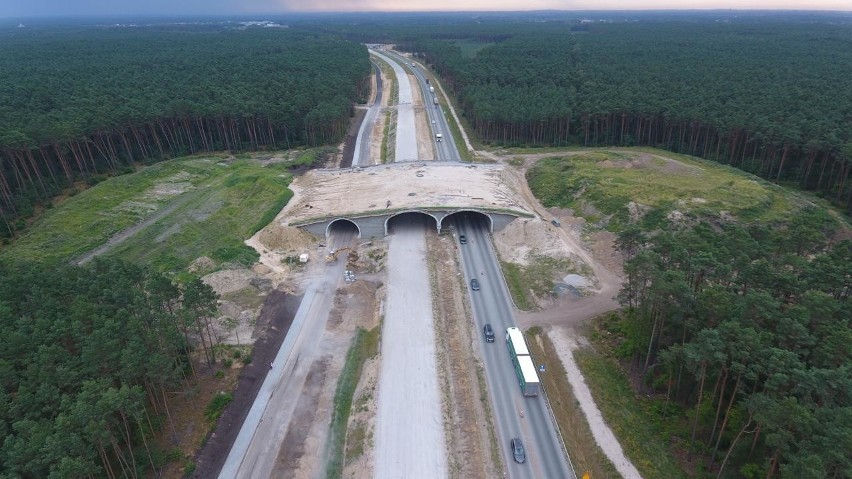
(351, 258)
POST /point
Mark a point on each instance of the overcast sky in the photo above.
(27, 8)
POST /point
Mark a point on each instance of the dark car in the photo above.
(474, 284)
(518, 451)
(462, 239)
(489, 333)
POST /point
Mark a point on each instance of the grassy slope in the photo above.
(210, 206)
(608, 180)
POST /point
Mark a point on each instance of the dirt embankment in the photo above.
(274, 321)
(469, 431)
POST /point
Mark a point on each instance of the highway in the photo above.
(546, 457)
(446, 150)
(516, 415)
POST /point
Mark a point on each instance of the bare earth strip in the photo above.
(409, 425)
(469, 428)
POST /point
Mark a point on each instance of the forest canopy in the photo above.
(87, 357)
(773, 98)
(74, 102)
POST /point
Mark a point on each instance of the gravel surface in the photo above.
(409, 425)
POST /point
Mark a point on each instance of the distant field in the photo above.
(469, 48)
(171, 212)
(600, 185)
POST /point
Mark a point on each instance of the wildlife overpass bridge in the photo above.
(371, 198)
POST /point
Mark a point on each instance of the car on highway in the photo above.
(474, 284)
(462, 239)
(518, 450)
(489, 333)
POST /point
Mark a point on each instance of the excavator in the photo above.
(332, 256)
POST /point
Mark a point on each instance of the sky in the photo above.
(31, 8)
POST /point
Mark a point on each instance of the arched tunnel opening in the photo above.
(462, 220)
(340, 232)
(411, 220)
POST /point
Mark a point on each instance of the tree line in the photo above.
(77, 102)
(89, 360)
(772, 98)
(746, 331)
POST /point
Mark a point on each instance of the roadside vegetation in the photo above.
(344, 441)
(536, 280)
(726, 358)
(190, 207)
(586, 455)
(652, 440)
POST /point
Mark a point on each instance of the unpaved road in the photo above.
(603, 435)
(406, 139)
(409, 424)
(256, 450)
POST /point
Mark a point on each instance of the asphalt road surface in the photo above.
(446, 149)
(406, 138)
(516, 415)
(256, 448)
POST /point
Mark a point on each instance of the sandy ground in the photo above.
(409, 427)
(323, 193)
(565, 345)
(298, 371)
(377, 134)
(468, 426)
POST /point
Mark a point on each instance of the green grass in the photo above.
(637, 421)
(609, 180)
(538, 279)
(214, 410)
(200, 206)
(385, 141)
(364, 346)
(464, 153)
(517, 287)
(356, 440)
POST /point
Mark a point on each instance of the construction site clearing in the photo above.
(380, 189)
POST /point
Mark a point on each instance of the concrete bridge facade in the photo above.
(376, 225)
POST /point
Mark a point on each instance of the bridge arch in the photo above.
(429, 217)
(342, 224)
(470, 214)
